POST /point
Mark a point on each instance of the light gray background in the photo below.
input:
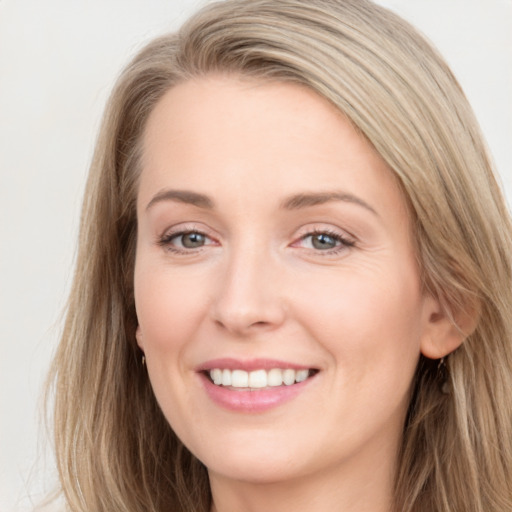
(58, 61)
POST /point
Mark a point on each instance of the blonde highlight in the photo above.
(115, 450)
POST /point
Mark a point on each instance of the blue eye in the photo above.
(191, 240)
(324, 241)
(184, 241)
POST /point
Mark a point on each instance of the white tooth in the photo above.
(275, 377)
(258, 379)
(301, 375)
(216, 376)
(226, 377)
(289, 376)
(239, 379)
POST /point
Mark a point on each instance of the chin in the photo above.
(254, 458)
(255, 470)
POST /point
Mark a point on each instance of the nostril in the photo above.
(260, 323)
(243, 324)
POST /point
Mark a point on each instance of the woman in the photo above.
(293, 281)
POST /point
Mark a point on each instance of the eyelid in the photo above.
(165, 238)
(346, 240)
(319, 228)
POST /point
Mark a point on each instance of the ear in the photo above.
(445, 329)
(138, 337)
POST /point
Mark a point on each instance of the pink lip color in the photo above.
(250, 401)
(249, 365)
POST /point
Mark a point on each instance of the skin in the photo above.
(257, 285)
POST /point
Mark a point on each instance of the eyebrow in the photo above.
(294, 202)
(182, 196)
(307, 200)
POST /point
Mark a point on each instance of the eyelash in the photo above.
(344, 242)
(166, 240)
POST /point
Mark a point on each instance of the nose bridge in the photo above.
(249, 296)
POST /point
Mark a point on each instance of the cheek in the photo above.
(169, 306)
(169, 309)
(369, 321)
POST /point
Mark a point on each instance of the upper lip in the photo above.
(250, 364)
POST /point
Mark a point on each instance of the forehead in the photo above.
(263, 112)
(238, 106)
(256, 136)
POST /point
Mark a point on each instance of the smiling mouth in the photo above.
(242, 380)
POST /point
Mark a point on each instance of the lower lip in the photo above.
(253, 401)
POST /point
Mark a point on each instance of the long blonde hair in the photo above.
(115, 450)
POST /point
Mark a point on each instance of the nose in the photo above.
(250, 295)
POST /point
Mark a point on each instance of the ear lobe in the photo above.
(138, 337)
(445, 330)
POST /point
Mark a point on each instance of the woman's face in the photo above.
(274, 244)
